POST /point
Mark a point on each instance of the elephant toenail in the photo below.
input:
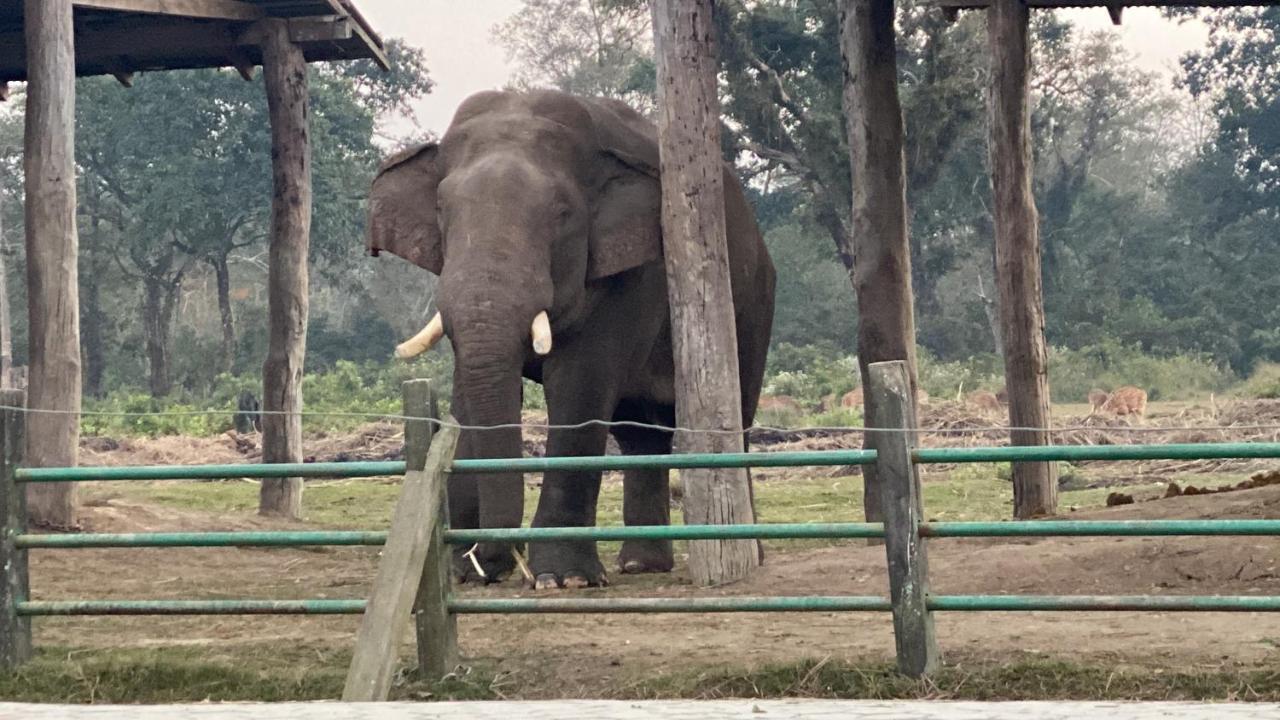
(633, 566)
(546, 581)
(576, 582)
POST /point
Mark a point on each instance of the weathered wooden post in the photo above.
(53, 295)
(437, 627)
(703, 332)
(1026, 362)
(895, 410)
(15, 630)
(398, 584)
(284, 70)
(882, 270)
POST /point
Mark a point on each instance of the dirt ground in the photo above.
(592, 656)
(567, 656)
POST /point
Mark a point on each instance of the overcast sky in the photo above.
(456, 37)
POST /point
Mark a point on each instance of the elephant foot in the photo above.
(568, 565)
(484, 563)
(646, 556)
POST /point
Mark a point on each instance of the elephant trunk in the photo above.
(490, 345)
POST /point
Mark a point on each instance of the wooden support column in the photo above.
(702, 323)
(53, 296)
(882, 251)
(1035, 487)
(284, 70)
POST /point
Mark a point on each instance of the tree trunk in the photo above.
(285, 74)
(53, 296)
(702, 319)
(882, 257)
(1035, 488)
(6, 325)
(222, 272)
(92, 319)
(91, 330)
(159, 297)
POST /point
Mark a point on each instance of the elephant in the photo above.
(540, 212)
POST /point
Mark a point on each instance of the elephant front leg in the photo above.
(568, 499)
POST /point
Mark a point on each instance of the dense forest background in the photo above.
(1159, 201)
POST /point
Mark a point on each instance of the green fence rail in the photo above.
(905, 534)
(771, 531)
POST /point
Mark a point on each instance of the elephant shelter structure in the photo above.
(48, 43)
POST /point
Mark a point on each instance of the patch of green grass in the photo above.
(1024, 679)
(267, 673)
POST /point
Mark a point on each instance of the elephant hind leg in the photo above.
(646, 500)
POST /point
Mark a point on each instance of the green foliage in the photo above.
(1110, 365)
(946, 379)
(1263, 383)
(809, 373)
(815, 301)
(134, 413)
(339, 399)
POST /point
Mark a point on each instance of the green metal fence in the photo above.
(904, 532)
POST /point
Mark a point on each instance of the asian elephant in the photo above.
(540, 212)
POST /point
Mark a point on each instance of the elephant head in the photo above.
(527, 203)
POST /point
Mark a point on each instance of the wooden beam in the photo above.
(243, 64)
(53, 302)
(886, 324)
(704, 333)
(204, 9)
(1018, 269)
(284, 70)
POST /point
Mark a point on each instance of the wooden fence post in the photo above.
(15, 631)
(396, 586)
(437, 627)
(908, 562)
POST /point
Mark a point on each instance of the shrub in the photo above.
(1108, 365)
(1263, 382)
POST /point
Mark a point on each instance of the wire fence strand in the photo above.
(650, 426)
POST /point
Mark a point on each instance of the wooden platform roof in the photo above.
(120, 37)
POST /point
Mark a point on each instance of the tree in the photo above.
(195, 190)
(587, 47)
(703, 329)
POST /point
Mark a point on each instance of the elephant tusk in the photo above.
(423, 341)
(541, 333)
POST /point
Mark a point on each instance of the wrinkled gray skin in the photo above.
(545, 201)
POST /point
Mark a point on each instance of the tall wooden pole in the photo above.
(284, 70)
(53, 296)
(882, 251)
(702, 322)
(1035, 487)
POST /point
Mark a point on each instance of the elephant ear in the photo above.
(402, 208)
(627, 230)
